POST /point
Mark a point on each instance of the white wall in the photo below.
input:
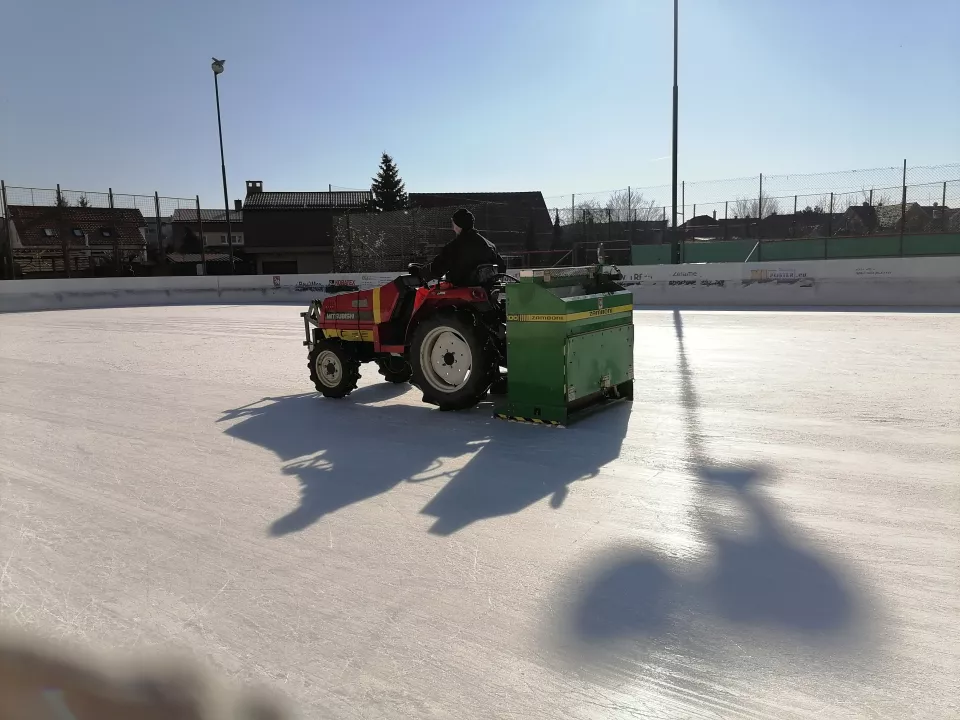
(895, 282)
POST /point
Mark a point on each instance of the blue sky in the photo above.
(495, 95)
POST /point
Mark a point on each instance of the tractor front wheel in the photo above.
(333, 369)
(450, 361)
(395, 369)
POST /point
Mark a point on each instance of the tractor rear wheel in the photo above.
(333, 369)
(395, 369)
(450, 361)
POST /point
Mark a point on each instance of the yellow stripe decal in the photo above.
(572, 316)
(349, 335)
(376, 305)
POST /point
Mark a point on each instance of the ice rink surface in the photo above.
(771, 531)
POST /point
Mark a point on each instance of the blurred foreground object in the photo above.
(41, 680)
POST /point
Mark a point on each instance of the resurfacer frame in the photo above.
(569, 343)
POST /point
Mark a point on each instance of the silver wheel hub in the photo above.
(446, 359)
(329, 368)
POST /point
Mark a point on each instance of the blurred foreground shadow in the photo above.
(346, 451)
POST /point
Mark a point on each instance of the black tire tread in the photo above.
(394, 376)
(477, 385)
(351, 370)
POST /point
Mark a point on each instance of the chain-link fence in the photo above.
(389, 241)
(854, 202)
(57, 232)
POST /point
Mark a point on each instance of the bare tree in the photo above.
(761, 207)
(625, 206)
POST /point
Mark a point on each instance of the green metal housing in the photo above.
(569, 343)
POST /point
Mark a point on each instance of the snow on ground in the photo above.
(773, 529)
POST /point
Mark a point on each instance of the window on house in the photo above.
(48, 232)
(77, 232)
(106, 232)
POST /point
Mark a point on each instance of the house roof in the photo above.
(197, 257)
(189, 215)
(102, 226)
(337, 200)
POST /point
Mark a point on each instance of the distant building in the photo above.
(42, 235)
(294, 232)
(291, 232)
(186, 233)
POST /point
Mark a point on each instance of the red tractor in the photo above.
(448, 341)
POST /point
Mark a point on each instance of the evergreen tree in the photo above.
(83, 202)
(387, 188)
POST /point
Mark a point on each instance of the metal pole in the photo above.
(830, 218)
(794, 222)
(6, 229)
(760, 210)
(943, 206)
(161, 255)
(629, 204)
(573, 212)
(203, 244)
(223, 170)
(675, 247)
(726, 225)
(871, 197)
(117, 265)
(903, 205)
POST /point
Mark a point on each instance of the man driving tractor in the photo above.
(460, 258)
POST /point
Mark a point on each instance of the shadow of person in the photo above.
(521, 465)
(345, 452)
(766, 579)
(762, 578)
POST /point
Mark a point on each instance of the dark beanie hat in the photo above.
(463, 218)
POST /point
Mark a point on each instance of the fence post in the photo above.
(903, 206)
(349, 245)
(629, 203)
(943, 207)
(9, 240)
(830, 218)
(117, 265)
(573, 210)
(726, 225)
(794, 224)
(871, 198)
(203, 244)
(609, 224)
(161, 255)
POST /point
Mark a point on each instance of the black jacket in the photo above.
(460, 257)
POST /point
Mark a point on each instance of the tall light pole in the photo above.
(674, 249)
(217, 66)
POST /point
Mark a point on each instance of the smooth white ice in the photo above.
(773, 530)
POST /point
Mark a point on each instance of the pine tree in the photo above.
(387, 188)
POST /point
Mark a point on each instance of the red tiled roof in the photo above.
(102, 226)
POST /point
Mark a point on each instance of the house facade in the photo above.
(294, 232)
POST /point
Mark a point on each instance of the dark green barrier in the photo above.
(807, 249)
(650, 255)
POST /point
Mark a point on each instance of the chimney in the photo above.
(254, 187)
(238, 205)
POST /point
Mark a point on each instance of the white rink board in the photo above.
(892, 282)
